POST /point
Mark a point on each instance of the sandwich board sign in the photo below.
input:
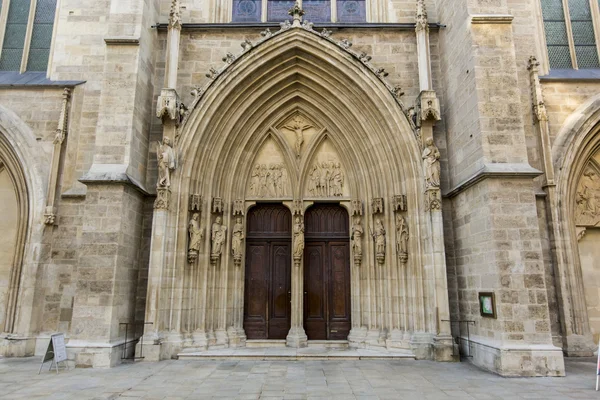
(56, 352)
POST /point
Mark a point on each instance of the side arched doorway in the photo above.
(267, 308)
(327, 273)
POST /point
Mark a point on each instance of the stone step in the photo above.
(329, 344)
(291, 354)
(261, 343)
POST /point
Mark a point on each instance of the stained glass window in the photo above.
(317, 10)
(41, 38)
(277, 10)
(351, 11)
(14, 35)
(583, 34)
(247, 10)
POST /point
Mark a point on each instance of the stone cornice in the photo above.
(329, 25)
(112, 174)
(491, 19)
(495, 171)
(122, 40)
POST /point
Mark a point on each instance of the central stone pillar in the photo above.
(297, 337)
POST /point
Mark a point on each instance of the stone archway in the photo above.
(298, 120)
(572, 154)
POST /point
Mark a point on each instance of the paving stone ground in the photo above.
(365, 379)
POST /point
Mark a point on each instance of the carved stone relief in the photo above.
(379, 237)
(237, 241)
(377, 205)
(298, 245)
(218, 237)
(588, 199)
(298, 126)
(268, 181)
(402, 238)
(326, 179)
(357, 234)
(196, 234)
(432, 169)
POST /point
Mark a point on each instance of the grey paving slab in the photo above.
(294, 380)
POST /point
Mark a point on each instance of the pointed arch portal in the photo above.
(294, 121)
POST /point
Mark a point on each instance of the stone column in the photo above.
(297, 337)
(357, 334)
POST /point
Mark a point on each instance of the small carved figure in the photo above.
(402, 237)
(196, 235)
(268, 180)
(237, 239)
(379, 236)
(255, 181)
(326, 179)
(219, 234)
(298, 126)
(166, 162)
(357, 234)
(298, 238)
(338, 180)
(431, 157)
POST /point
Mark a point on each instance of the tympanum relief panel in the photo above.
(297, 150)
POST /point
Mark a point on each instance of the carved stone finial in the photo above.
(285, 25)
(266, 33)
(307, 25)
(212, 73)
(421, 17)
(246, 45)
(325, 33)
(364, 57)
(175, 15)
(533, 64)
(296, 12)
(229, 58)
(345, 44)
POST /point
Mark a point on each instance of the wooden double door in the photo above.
(267, 294)
(327, 273)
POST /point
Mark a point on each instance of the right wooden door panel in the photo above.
(327, 273)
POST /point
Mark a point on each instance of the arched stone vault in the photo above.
(299, 71)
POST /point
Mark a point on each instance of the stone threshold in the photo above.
(314, 351)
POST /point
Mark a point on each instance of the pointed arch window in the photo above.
(344, 11)
(26, 29)
(572, 30)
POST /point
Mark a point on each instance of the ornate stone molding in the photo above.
(399, 203)
(429, 106)
(238, 208)
(59, 138)
(230, 59)
(175, 15)
(357, 207)
(168, 105)
(163, 199)
(377, 205)
(217, 205)
(421, 17)
(195, 202)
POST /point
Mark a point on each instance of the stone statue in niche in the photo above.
(357, 234)
(237, 240)
(196, 235)
(268, 180)
(402, 238)
(218, 236)
(379, 236)
(326, 179)
(588, 204)
(298, 126)
(166, 162)
(431, 158)
(298, 248)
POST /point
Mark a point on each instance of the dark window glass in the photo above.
(41, 37)
(14, 36)
(556, 34)
(246, 10)
(583, 34)
(351, 11)
(277, 10)
(317, 10)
